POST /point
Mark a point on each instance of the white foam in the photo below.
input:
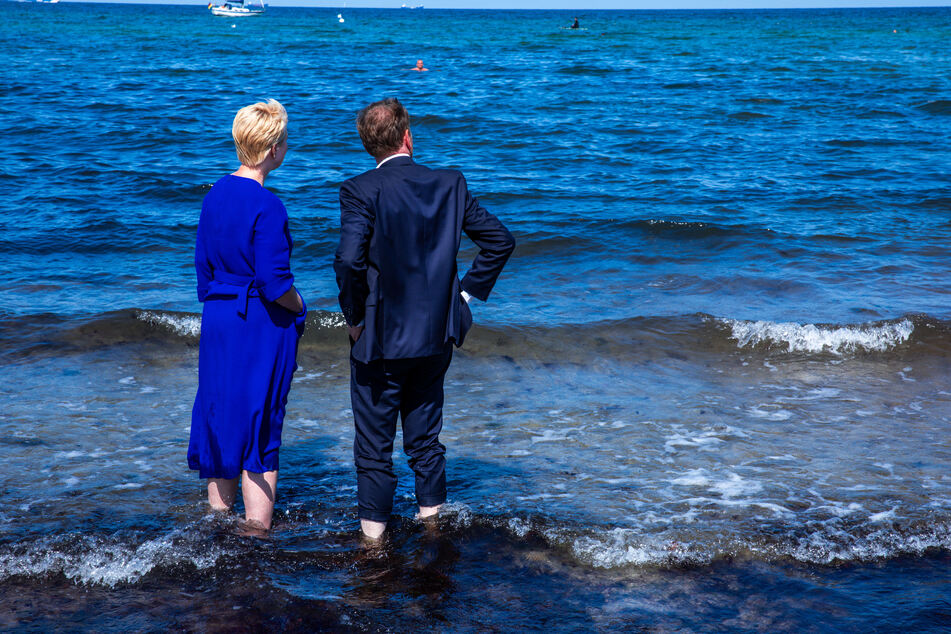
(706, 440)
(734, 485)
(825, 547)
(184, 325)
(814, 394)
(882, 517)
(518, 527)
(308, 376)
(331, 320)
(828, 543)
(105, 561)
(776, 415)
(811, 338)
(887, 466)
(626, 547)
(459, 514)
(841, 510)
(694, 477)
(552, 435)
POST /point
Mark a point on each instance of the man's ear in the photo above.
(408, 140)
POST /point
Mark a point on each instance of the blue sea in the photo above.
(709, 392)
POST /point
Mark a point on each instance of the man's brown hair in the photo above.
(381, 126)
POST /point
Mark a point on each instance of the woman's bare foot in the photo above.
(251, 528)
(221, 493)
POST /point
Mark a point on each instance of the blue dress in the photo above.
(248, 348)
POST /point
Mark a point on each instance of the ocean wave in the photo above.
(126, 558)
(612, 547)
(624, 340)
(812, 338)
(585, 69)
(188, 325)
(746, 115)
(873, 142)
(682, 229)
(938, 106)
(761, 100)
(108, 561)
(182, 324)
(623, 547)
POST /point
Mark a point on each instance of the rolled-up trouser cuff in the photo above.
(431, 501)
(375, 516)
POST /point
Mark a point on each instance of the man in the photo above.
(419, 66)
(400, 229)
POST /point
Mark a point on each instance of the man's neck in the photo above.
(392, 156)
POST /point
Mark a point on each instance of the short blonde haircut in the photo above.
(256, 129)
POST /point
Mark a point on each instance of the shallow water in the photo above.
(709, 391)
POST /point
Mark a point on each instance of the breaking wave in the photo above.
(621, 547)
(182, 324)
(112, 561)
(813, 338)
(108, 560)
(625, 339)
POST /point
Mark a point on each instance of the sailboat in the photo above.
(237, 8)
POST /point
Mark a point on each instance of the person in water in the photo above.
(419, 66)
(252, 318)
(401, 225)
(575, 25)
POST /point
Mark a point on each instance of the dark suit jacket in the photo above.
(400, 229)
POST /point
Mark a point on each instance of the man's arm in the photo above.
(495, 246)
(350, 261)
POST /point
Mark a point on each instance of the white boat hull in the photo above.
(236, 12)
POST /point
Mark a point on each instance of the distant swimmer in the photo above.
(575, 25)
(419, 66)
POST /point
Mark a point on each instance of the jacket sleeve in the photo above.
(272, 252)
(495, 246)
(350, 261)
(204, 271)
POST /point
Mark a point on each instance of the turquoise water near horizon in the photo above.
(708, 393)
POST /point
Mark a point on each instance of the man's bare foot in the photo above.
(428, 511)
(372, 529)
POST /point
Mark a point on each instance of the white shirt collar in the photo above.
(392, 156)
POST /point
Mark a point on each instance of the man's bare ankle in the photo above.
(372, 529)
(428, 511)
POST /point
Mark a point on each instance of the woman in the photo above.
(251, 321)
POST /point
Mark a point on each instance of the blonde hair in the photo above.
(256, 129)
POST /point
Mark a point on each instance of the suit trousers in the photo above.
(382, 391)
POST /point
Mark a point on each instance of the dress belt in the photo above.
(225, 283)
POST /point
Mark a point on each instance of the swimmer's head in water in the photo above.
(419, 64)
(382, 126)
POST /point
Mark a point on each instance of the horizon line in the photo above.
(694, 5)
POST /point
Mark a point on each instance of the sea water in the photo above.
(709, 391)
